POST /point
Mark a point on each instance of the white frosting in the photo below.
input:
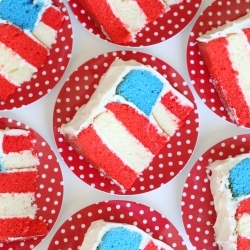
(225, 204)
(99, 228)
(226, 29)
(105, 93)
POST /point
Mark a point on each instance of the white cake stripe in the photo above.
(45, 34)
(243, 228)
(240, 56)
(126, 11)
(17, 205)
(127, 148)
(13, 67)
(167, 121)
(20, 160)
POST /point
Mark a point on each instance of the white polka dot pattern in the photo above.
(71, 234)
(77, 91)
(165, 27)
(213, 16)
(49, 184)
(50, 73)
(198, 212)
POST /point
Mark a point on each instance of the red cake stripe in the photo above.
(112, 25)
(90, 145)
(151, 246)
(243, 243)
(21, 227)
(170, 101)
(216, 58)
(243, 207)
(139, 126)
(247, 33)
(30, 50)
(152, 9)
(18, 182)
(12, 143)
(6, 87)
(53, 18)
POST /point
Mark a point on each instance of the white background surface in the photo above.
(77, 194)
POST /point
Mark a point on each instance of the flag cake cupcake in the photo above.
(127, 121)
(104, 235)
(229, 182)
(120, 20)
(18, 174)
(225, 51)
(28, 29)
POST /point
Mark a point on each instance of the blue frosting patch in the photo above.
(120, 239)
(22, 13)
(239, 178)
(141, 88)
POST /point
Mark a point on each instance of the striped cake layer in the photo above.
(229, 184)
(226, 53)
(47, 28)
(12, 229)
(121, 122)
(18, 175)
(27, 32)
(21, 56)
(109, 235)
(119, 20)
(17, 149)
